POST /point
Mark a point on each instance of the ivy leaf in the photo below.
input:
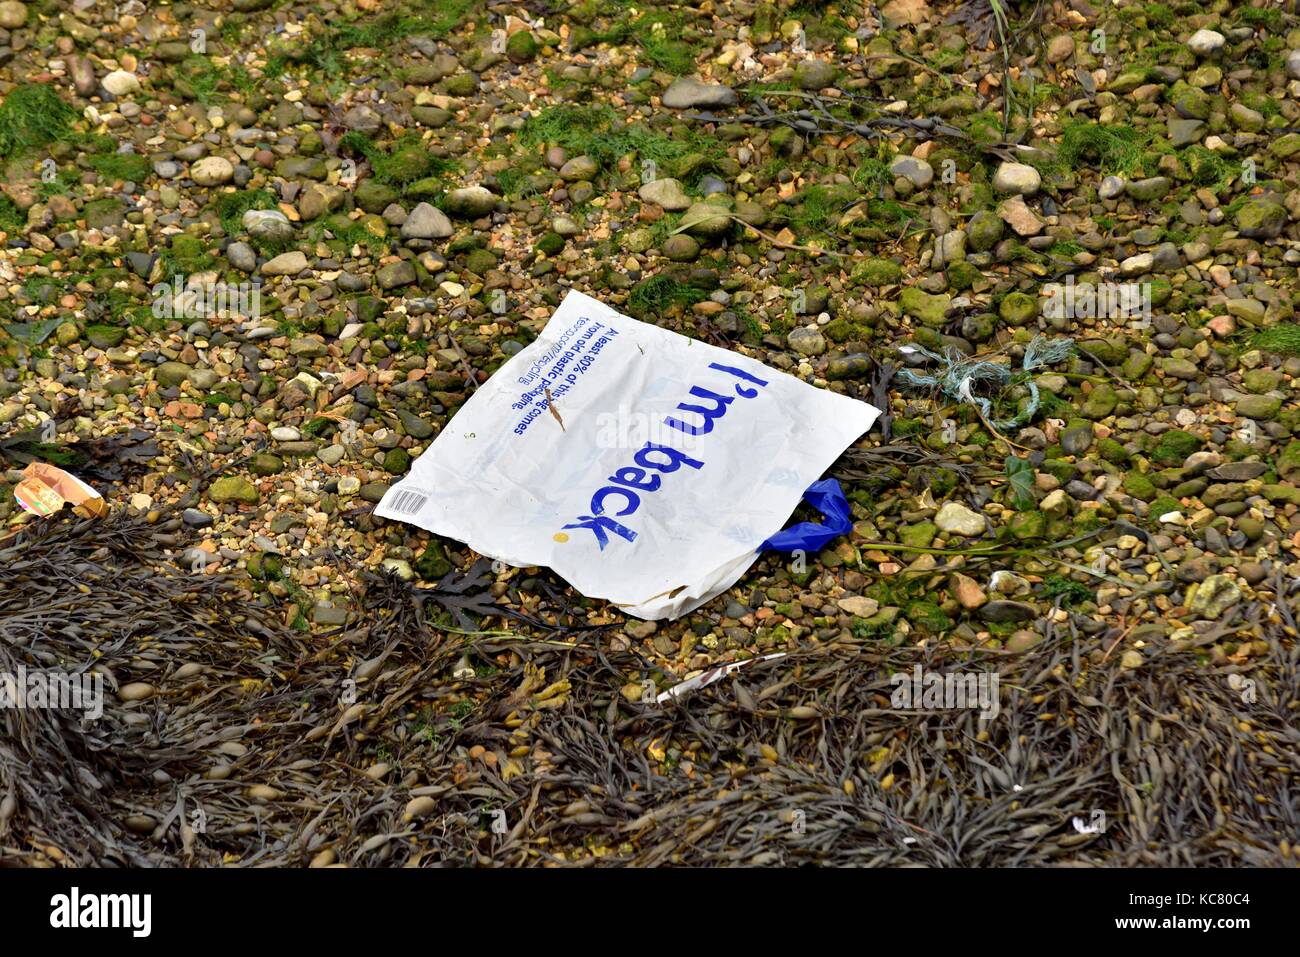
(33, 333)
(1020, 476)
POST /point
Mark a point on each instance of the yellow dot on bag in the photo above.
(561, 536)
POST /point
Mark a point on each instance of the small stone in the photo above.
(1261, 218)
(956, 519)
(1262, 408)
(268, 224)
(1212, 597)
(12, 14)
(395, 275)
(681, 248)
(924, 307)
(1293, 64)
(1146, 190)
(1001, 610)
(326, 614)
(212, 171)
(121, 83)
(285, 264)
(232, 488)
(983, 231)
(690, 94)
(1060, 48)
(667, 193)
(1023, 640)
(1206, 42)
(807, 342)
(1184, 132)
(242, 256)
(968, 592)
(171, 374)
(1016, 214)
(859, 606)
(397, 461)
(578, 169)
(400, 567)
(195, 518)
(413, 425)
(916, 171)
(707, 220)
(426, 221)
(470, 202)
(814, 74)
(1017, 178)
(1112, 187)
(521, 47)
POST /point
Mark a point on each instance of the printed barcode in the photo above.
(409, 501)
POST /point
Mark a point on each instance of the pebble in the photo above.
(212, 171)
(956, 519)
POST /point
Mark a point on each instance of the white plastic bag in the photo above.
(643, 467)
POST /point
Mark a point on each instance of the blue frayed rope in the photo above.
(960, 374)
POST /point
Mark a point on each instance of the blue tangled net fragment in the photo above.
(960, 374)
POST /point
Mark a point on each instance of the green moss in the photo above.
(605, 136)
(326, 52)
(927, 616)
(659, 34)
(1069, 592)
(920, 535)
(185, 256)
(99, 208)
(871, 173)
(199, 78)
(1139, 486)
(406, 163)
(12, 219)
(1282, 339)
(1163, 505)
(1173, 447)
(842, 330)
(1059, 469)
(521, 47)
(519, 183)
(652, 296)
(550, 244)
(1109, 149)
(433, 562)
(232, 206)
(1266, 17)
(1028, 525)
(1288, 463)
(877, 272)
(1112, 451)
(33, 116)
(1205, 167)
(341, 234)
(121, 166)
(818, 206)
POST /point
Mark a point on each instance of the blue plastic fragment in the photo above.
(828, 498)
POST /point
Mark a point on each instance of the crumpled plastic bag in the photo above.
(644, 467)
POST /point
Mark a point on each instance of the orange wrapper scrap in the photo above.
(45, 489)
